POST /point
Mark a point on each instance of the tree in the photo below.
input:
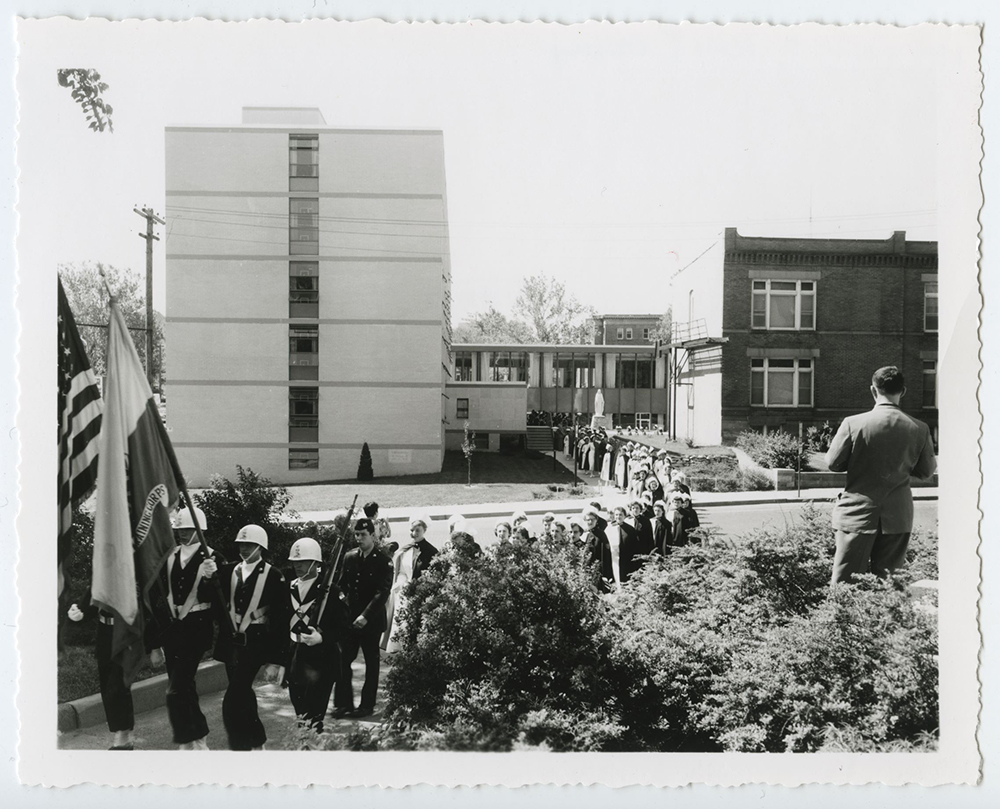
(469, 449)
(86, 86)
(491, 326)
(554, 315)
(543, 313)
(88, 298)
(365, 471)
(664, 328)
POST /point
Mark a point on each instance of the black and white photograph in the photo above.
(505, 390)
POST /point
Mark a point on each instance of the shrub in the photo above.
(253, 499)
(508, 649)
(365, 470)
(818, 439)
(777, 450)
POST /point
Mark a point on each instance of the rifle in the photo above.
(330, 576)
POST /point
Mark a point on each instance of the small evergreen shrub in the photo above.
(365, 470)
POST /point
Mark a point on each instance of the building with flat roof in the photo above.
(625, 329)
(794, 327)
(308, 282)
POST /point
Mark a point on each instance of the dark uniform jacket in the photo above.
(178, 580)
(366, 582)
(270, 638)
(597, 552)
(332, 623)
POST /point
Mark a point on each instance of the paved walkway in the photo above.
(152, 728)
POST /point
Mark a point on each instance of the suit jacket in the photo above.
(269, 639)
(366, 582)
(879, 450)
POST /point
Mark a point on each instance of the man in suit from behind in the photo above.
(880, 450)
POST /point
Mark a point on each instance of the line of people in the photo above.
(302, 634)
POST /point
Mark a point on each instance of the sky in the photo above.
(605, 157)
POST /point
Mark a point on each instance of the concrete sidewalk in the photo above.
(608, 498)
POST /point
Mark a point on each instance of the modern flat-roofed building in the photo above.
(494, 386)
(308, 284)
(804, 323)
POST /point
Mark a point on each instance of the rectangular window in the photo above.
(931, 307)
(628, 334)
(562, 371)
(930, 387)
(642, 421)
(303, 459)
(463, 366)
(583, 370)
(625, 371)
(621, 334)
(303, 227)
(783, 305)
(643, 373)
(781, 383)
(462, 409)
(303, 162)
(645, 333)
(508, 366)
(303, 414)
(303, 289)
(303, 352)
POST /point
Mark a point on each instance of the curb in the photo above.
(147, 695)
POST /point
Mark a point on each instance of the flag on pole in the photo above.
(137, 488)
(79, 412)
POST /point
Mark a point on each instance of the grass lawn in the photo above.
(495, 479)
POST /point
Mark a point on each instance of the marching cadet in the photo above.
(367, 580)
(185, 633)
(116, 694)
(318, 621)
(252, 635)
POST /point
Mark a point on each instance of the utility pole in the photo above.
(149, 236)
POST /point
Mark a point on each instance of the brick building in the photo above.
(806, 321)
(614, 330)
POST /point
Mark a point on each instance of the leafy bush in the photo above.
(818, 439)
(735, 480)
(252, 499)
(777, 450)
(737, 645)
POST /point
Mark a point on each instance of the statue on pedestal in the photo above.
(599, 403)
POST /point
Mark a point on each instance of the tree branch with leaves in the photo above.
(86, 88)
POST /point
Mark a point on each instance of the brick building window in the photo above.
(781, 383)
(462, 409)
(645, 333)
(784, 305)
(930, 386)
(628, 334)
(303, 459)
(620, 333)
(931, 307)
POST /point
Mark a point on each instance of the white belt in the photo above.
(106, 619)
(204, 605)
(260, 619)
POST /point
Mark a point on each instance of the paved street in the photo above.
(152, 729)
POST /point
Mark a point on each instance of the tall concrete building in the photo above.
(308, 287)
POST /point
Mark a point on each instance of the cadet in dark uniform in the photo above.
(184, 624)
(317, 622)
(256, 598)
(366, 582)
(116, 694)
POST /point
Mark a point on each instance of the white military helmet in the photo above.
(305, 550)
(253, 533)
(182, 519)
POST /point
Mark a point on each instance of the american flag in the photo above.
(79, 425)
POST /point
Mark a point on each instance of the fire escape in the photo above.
(687, 340)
